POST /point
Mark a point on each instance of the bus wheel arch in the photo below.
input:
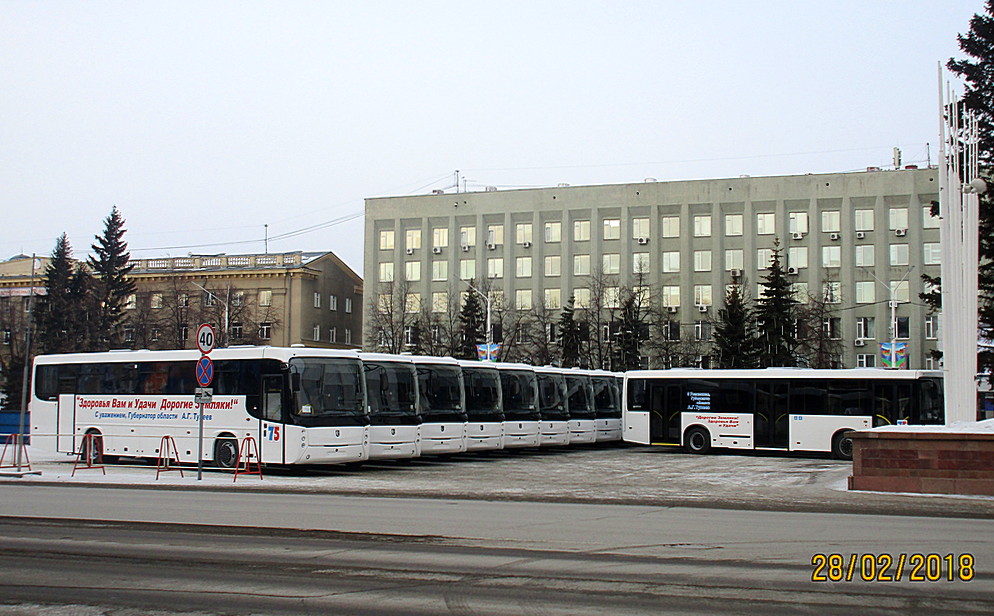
(842, 445)
(225, 451)
(697, 439)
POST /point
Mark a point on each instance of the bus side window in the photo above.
(930, 409)
(636, 394)
(272, 397)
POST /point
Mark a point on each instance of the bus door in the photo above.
(665, 407)
(771, 419)
(271, 429)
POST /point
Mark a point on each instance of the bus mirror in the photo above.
(295, 381)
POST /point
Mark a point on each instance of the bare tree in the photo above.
(819, 331)
(391, 316)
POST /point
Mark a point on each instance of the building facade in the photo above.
(858, 242)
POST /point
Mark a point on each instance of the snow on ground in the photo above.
(962, 427)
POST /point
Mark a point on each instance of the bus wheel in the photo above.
(225, 453)
(697, 440)
(842, 446)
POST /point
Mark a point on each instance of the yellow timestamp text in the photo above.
(886, 567)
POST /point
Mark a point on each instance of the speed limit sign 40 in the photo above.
(205, 338)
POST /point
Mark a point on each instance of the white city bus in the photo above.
(554, 424)
(485, 425)
(443, 410)
(791, 409)
(302, 406)
(392, 403)
(607, 404)
(580, 405)
(519, 395)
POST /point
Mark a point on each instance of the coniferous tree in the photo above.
(626, 351)
(569, 336)
(776, 317)
(734, 333)
(472, 322)
(111, 267)
(978, 73)
(63, 315)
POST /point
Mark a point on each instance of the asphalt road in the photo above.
(272, 553)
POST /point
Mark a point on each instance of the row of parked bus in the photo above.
(314, 406)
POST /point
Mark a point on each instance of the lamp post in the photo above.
(892, 304)
(226, 304)
(489, 333)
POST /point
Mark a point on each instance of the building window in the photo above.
(581, 230)
(495, 234)
(865, 292)
(670, 330)
(412, 303)
(467, 236)
(640, 263)
(702, 295)
(265, 297)
(317, 304)
(553, 232)
(865, 329)
(412, 239)
(611, 263)
(702, 260)
(831, 256)
(387, 239)
(932, 327)
(797, 257)
(183, 333)
(671, 262)
(333, 303)
(238, 298)
(864, 220)
(898, 218)
(864, 256)
(495, 268)
(900, 290)
(899, 254)
(523, 299)
(523, 267)
(933, 253)
(440, 237)
(348, 305)
(412, 271)
(348, 336)
(702, 225)
(467, 269)
(131, 302)
(832, 327)
(7, 335)
(316, 333)
(702, 331)
(929, 221)
(798, 222)
(640, 227)
(764, 258)
(766, 223)
(671, 226)
(671, 296)
(266, 330)
(733, 259)
(733, 224)
(612, 229)
(581, 265)
(904, 327)
(439, 270)
(553, 265)
(237, 331)
(156, 301)
(831, 221)
(612, 297)
(523, 232)
(866, 361)
(332, 334)
(384, 303)
(581, 297)
(440, 301)
(386, 272)
(553, 299)
(832, 293)
(410, 335)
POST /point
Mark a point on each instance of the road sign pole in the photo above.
(205, 374)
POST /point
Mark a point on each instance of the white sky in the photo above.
(204, 121)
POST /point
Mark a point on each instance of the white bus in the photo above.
(554, 424)
(442, 407)
(392, 398)
(519, 395)
(485, 425)
(607, 404)
(791, 409)
(580, 406)
(302, 406)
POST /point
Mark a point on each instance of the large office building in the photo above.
(859, 241)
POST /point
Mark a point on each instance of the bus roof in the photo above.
(784, 373)
(239, 352)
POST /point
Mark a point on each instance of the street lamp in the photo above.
(490, 333)
(226, 302)
(892, 303)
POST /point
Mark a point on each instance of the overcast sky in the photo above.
(205, 121)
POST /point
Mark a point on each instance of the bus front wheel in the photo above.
(697, 440)
(842, 446)
(225, 453)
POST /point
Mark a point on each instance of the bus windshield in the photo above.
(551, 399)
(440, 388)
(328, 386)
(518, 391)
(578, 396)
(607, 398)
(390, 388)
(482, 390)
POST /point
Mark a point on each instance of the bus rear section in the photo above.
(519, 396)
(485, 419)
(443, 410)
(580, 406)
(776, 408)
(607, 405)
(392, 402)
(554, 422)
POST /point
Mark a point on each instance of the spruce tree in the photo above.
(472, 321)
(776, 315)
(626, 350)
(734, 333)
(61, 316)
(978, 73)
(111, 267)
(569, 336)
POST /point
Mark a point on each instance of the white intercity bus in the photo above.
(443, 410)
(792, 409)
(554, 424)
(607, 404)
(485, 425)
(392, 403)
(580, 406)
(302, 406)
(519, 396)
